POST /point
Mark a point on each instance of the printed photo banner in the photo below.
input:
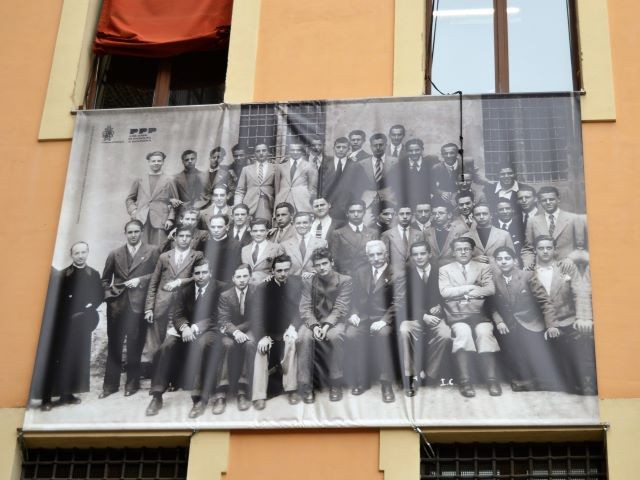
(373, 262)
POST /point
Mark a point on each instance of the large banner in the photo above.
(378, 262)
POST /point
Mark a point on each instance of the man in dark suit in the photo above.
(323, 225)
(444, 175)
(396, 148)
(221, 250)
(384, 212)
(507, 221)
(325, 303)
(506, 187)
(422, 216)
(424, 337)
(356, 142)
(240, 230)
(527, 205)
(336, 181)
(125, 279)
(316, 156)
(191, 184)
(173, 270)
(283, 229)
(275, 330)
(191, 333)
(218, 205)
(347, 243)
(236, 309)
(378, 293)
(66, 368)
(411, 177)
(220, 174)
(399, 237)
(188, 218)
(240, 159)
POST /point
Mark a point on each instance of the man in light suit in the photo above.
(125, 279)
(442, 232)
(464, 209)
(256, 185)
(317, 158)
(191, 184)
(487, 237)
(296, 180)
(301, 246)
(356, 142)
(465, 285)
(323, 225)
(399, 237)
(149, 201)
(283, 228)
(259, 254)
(173, 270)
(567, 229)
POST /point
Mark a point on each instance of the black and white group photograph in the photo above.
(395, 262)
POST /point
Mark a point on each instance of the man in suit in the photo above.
(423, 335)
(399, 237)
(521, 312)
(347, 243)
(411, 181)
(317, 158)
(66, 368)
(507, 221)
(336, 180)
(445, 174)
(422, 216)
(125, 279)
(528, 205)
(301, 246)
(191, 184)
(378, 294)
(465, 184)
(188, 218)
(385, 213)
(356, 142)
(296, 180)
(221, 174)
(240, 159)
(396, 148)
(275, 328)
(173, 270)
(241, 231)
(465, 285)
(571, 334)
(464, 209)
(259, 254)
(323, 225)
(182, 349)
(567, 229)
(236, 309)
(506, 187)
(218, 205)
(283, 228)
(442, 232)
(487, 237)
(149, 200)
(256, 185)
(221, 250)
(325, 304)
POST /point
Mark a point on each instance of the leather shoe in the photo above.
(466, 390)
(243, 402)
(410, 388)
(46, 406)
(387, 393)
(308, 396)
(197, 409)
(259, 404)
(131, 391)
(495, 390)
(219, 405)
(106, 393)
(294, 398)
(357, 390)
(154, 406)
(335, 394)
(523, 386)
(70, 399)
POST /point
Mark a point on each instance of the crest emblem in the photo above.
(108, 133)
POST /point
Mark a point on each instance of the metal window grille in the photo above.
(510, 461)
(105, 463)
(258, 124)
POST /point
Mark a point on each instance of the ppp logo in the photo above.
(141, 131)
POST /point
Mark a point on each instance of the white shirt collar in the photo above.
(133, 250)
(514, 188)
(354, 228)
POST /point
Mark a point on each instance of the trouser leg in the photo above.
(409, 340)
(164, 360)
(335, 341)
(289, 366)
(355, 360)
(115, 338)
(382, 343)
(305, 347)
(247, 359)
(260, 376)
(136, 329)
(438, 349)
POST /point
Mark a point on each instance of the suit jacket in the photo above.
(444, 181)
(326, 300)
(453, 285)
(444, 254)
(279, 236)
(523, 301)
(411, 187)
(229, 316)
(152, 206)
(339, 189)
(300, 265)
(117, 271)
(223, 257)
(372, 191)
(192, 188)
(347, 247)
(300, 189)
(402, 153)
(420, 297)
(249, 190)
(361, 155)
(380, 301)
(158, 299)
(207, 213)
(201, 312)
(492, 197)
(497, 238)
(327, 231)
(279, 308)
(398, 250)
(515, 230)
(245, 238)
(570, 233)
(262, 268)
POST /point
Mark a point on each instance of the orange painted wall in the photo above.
(310, 49)
(31, 184)
(612, 164)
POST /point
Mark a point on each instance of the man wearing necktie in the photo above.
(218, 205)
(296, 180)
(528, 205)
(260, 252)
(399, 237)
(256, 185)
(301, 246)
(396, 149)
(508, 221)
(283, 228)
(316, 152)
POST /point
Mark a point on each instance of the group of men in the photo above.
(344, 270)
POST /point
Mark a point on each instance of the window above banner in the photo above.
(497, 46)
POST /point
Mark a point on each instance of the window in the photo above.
(502, 46)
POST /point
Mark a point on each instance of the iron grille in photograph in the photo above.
(258, 124)
(105, 463)
(304, 120)
(511, 461)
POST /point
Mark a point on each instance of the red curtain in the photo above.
(162, 28)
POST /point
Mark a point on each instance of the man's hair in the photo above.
(222, 151)
(397, 125)
(188, 152)
(378, 136)
(222, 216)
(358, 202)
(468, 240)
(80, 242)
(281, 259)
(508, 250)
(548, 189)
(237, 147)
(304, 214)
(260, 221)
(357, 132)
(133, 222)
(469, 194)
(315, 136)
(414, 141)
(447, 145)
(438, 202)
(319, 197)
(542, 238)
(385, 205)
(184, 228)
(419, 243)
(422, 202)
(372, 243)
(504, 200)
(506, 164)
(240, 205)
(320, 253)
(190, 210)
(286, 205)
(201, 262)
(295, 141)
(220, 185)
(243, 266)
(155, 153)
(526, 188)
(343, 140)
(482, 204)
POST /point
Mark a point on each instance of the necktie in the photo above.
(504, 226)
(303, 248)
(319, 230)
(260, 173)
(468, 221)
(525, 219)
(237, 235)
(241, 299)
(339, 169)
(425, 277)
(198, 292)
(375, 278)
(378, 170)
(412, 166)
(552, 225)
(316, 162)
(405, 238)
(254, 255)
(464, 271)
(395, 151)
(293, 168)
